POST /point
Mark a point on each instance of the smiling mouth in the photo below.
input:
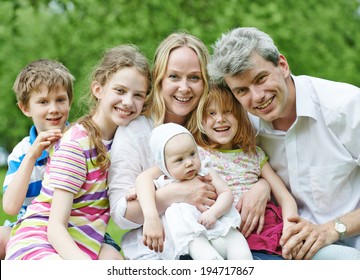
(221, 129)
(266, 104)
(122, 112)
(182, 99)
(54, 119)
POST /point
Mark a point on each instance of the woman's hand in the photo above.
(199, 192)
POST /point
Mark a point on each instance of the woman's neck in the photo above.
(170, 117)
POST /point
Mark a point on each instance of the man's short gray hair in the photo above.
(232, 52)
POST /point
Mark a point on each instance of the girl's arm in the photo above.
(15, 193)
(222, 204)
(281, 193)
(144, 181)
(58, 234)
(153, 231)
(286, 202)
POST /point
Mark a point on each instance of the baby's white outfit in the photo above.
(180, 220)
(181, 225)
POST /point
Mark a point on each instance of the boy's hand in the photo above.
(153, 234)
(44, 141)
(207, 219)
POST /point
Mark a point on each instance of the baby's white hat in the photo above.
(158, 139)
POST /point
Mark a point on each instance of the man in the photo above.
(310, 129)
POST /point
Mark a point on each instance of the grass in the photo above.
(115, 232)
(3, 215)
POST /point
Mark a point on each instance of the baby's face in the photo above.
(182, 157)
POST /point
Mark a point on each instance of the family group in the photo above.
(219, 156)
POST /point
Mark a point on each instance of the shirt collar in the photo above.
(305, 106)
(33, 134)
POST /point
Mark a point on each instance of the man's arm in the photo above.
(314, 237)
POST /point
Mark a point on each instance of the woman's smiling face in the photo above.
(183, 84)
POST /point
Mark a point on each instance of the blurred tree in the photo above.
(318, 37)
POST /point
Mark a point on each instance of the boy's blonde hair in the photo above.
(155, 104)
(226, 102)
(44, 72)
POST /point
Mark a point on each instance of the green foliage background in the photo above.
(318, 37)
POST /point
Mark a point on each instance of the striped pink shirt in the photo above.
(71, 168)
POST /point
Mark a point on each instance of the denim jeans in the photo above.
(257, 255)
(261, 255)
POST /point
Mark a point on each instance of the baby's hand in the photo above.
(207, 219)
(131, 195)
(44, 141)
(153, 234)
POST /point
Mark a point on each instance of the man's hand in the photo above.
(303, 239)
(251, 207)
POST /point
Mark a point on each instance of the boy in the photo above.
(44, 92)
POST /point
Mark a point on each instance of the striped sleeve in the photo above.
(68, 167)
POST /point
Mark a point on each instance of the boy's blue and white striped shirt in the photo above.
(14, 161)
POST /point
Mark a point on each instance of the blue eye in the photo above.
(195, 78)
(173, 76)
